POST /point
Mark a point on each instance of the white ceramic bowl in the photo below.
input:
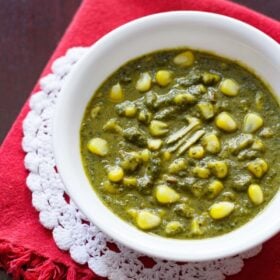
(198, 30)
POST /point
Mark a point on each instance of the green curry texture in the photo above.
(166, 176)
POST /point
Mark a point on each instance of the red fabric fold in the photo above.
(24, 263)
(27, 250)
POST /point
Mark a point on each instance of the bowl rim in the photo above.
(267, 232)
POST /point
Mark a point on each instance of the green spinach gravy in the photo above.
(183, 144)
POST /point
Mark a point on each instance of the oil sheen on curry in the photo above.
(183, 144)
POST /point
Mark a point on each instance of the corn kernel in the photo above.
(163, 77)
(144, 82)
(252, 122)
(226, 122)
(115, 174)
(145, 155)
(109, 187)
(166, 155)
(258, 167)
(258, 145)
(130, 111)
(196, 152)
(165, 194)
(229, 87)
(201, 172)
(215, 188)
(211, 143)
(112, 126)
(147, 220)
(221, 210)
(154, 144)
(129, 181)
(116, 93)
(173, 227)
(158, 128)
(255, 194)
(210, 78)
(98, 146)
(206, 110)
(130, 161)
(177, 165)
(145, 117)
(219, 168)
(184, 59)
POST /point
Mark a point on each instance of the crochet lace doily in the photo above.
(71, 230)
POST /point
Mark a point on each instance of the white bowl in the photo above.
(198, 30)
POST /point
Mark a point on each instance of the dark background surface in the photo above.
(30, 31)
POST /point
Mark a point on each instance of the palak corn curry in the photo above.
(183, 144)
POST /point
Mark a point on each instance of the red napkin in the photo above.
(27, 250)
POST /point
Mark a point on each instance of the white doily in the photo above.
(71, 230)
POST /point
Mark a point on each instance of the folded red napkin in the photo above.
(27, 250)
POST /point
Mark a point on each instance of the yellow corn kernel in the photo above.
(144, 82)
(145, 116)
(229, 87)
(166, 155)
(255, 194)
(165, 194)
(258, 145)
(146, 220)
(173, 227)
(196, 152)
(129, 181)
(98, 146)
(211, 143)
(145, 155)
(210, 78)
(206, 110)
(201, 172)
(177, 165)
(109, 187)
(215, 188)
(130, 111)
(158, 128)
(112, 126)
(226, 122)
(184, 59)
(195, 227)
(154, 144)
(219, 168)
(115, 174)
(116, 93)
(252, 122)
(130, 161)
(163, 77)
(221, 210)
(258, 167)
